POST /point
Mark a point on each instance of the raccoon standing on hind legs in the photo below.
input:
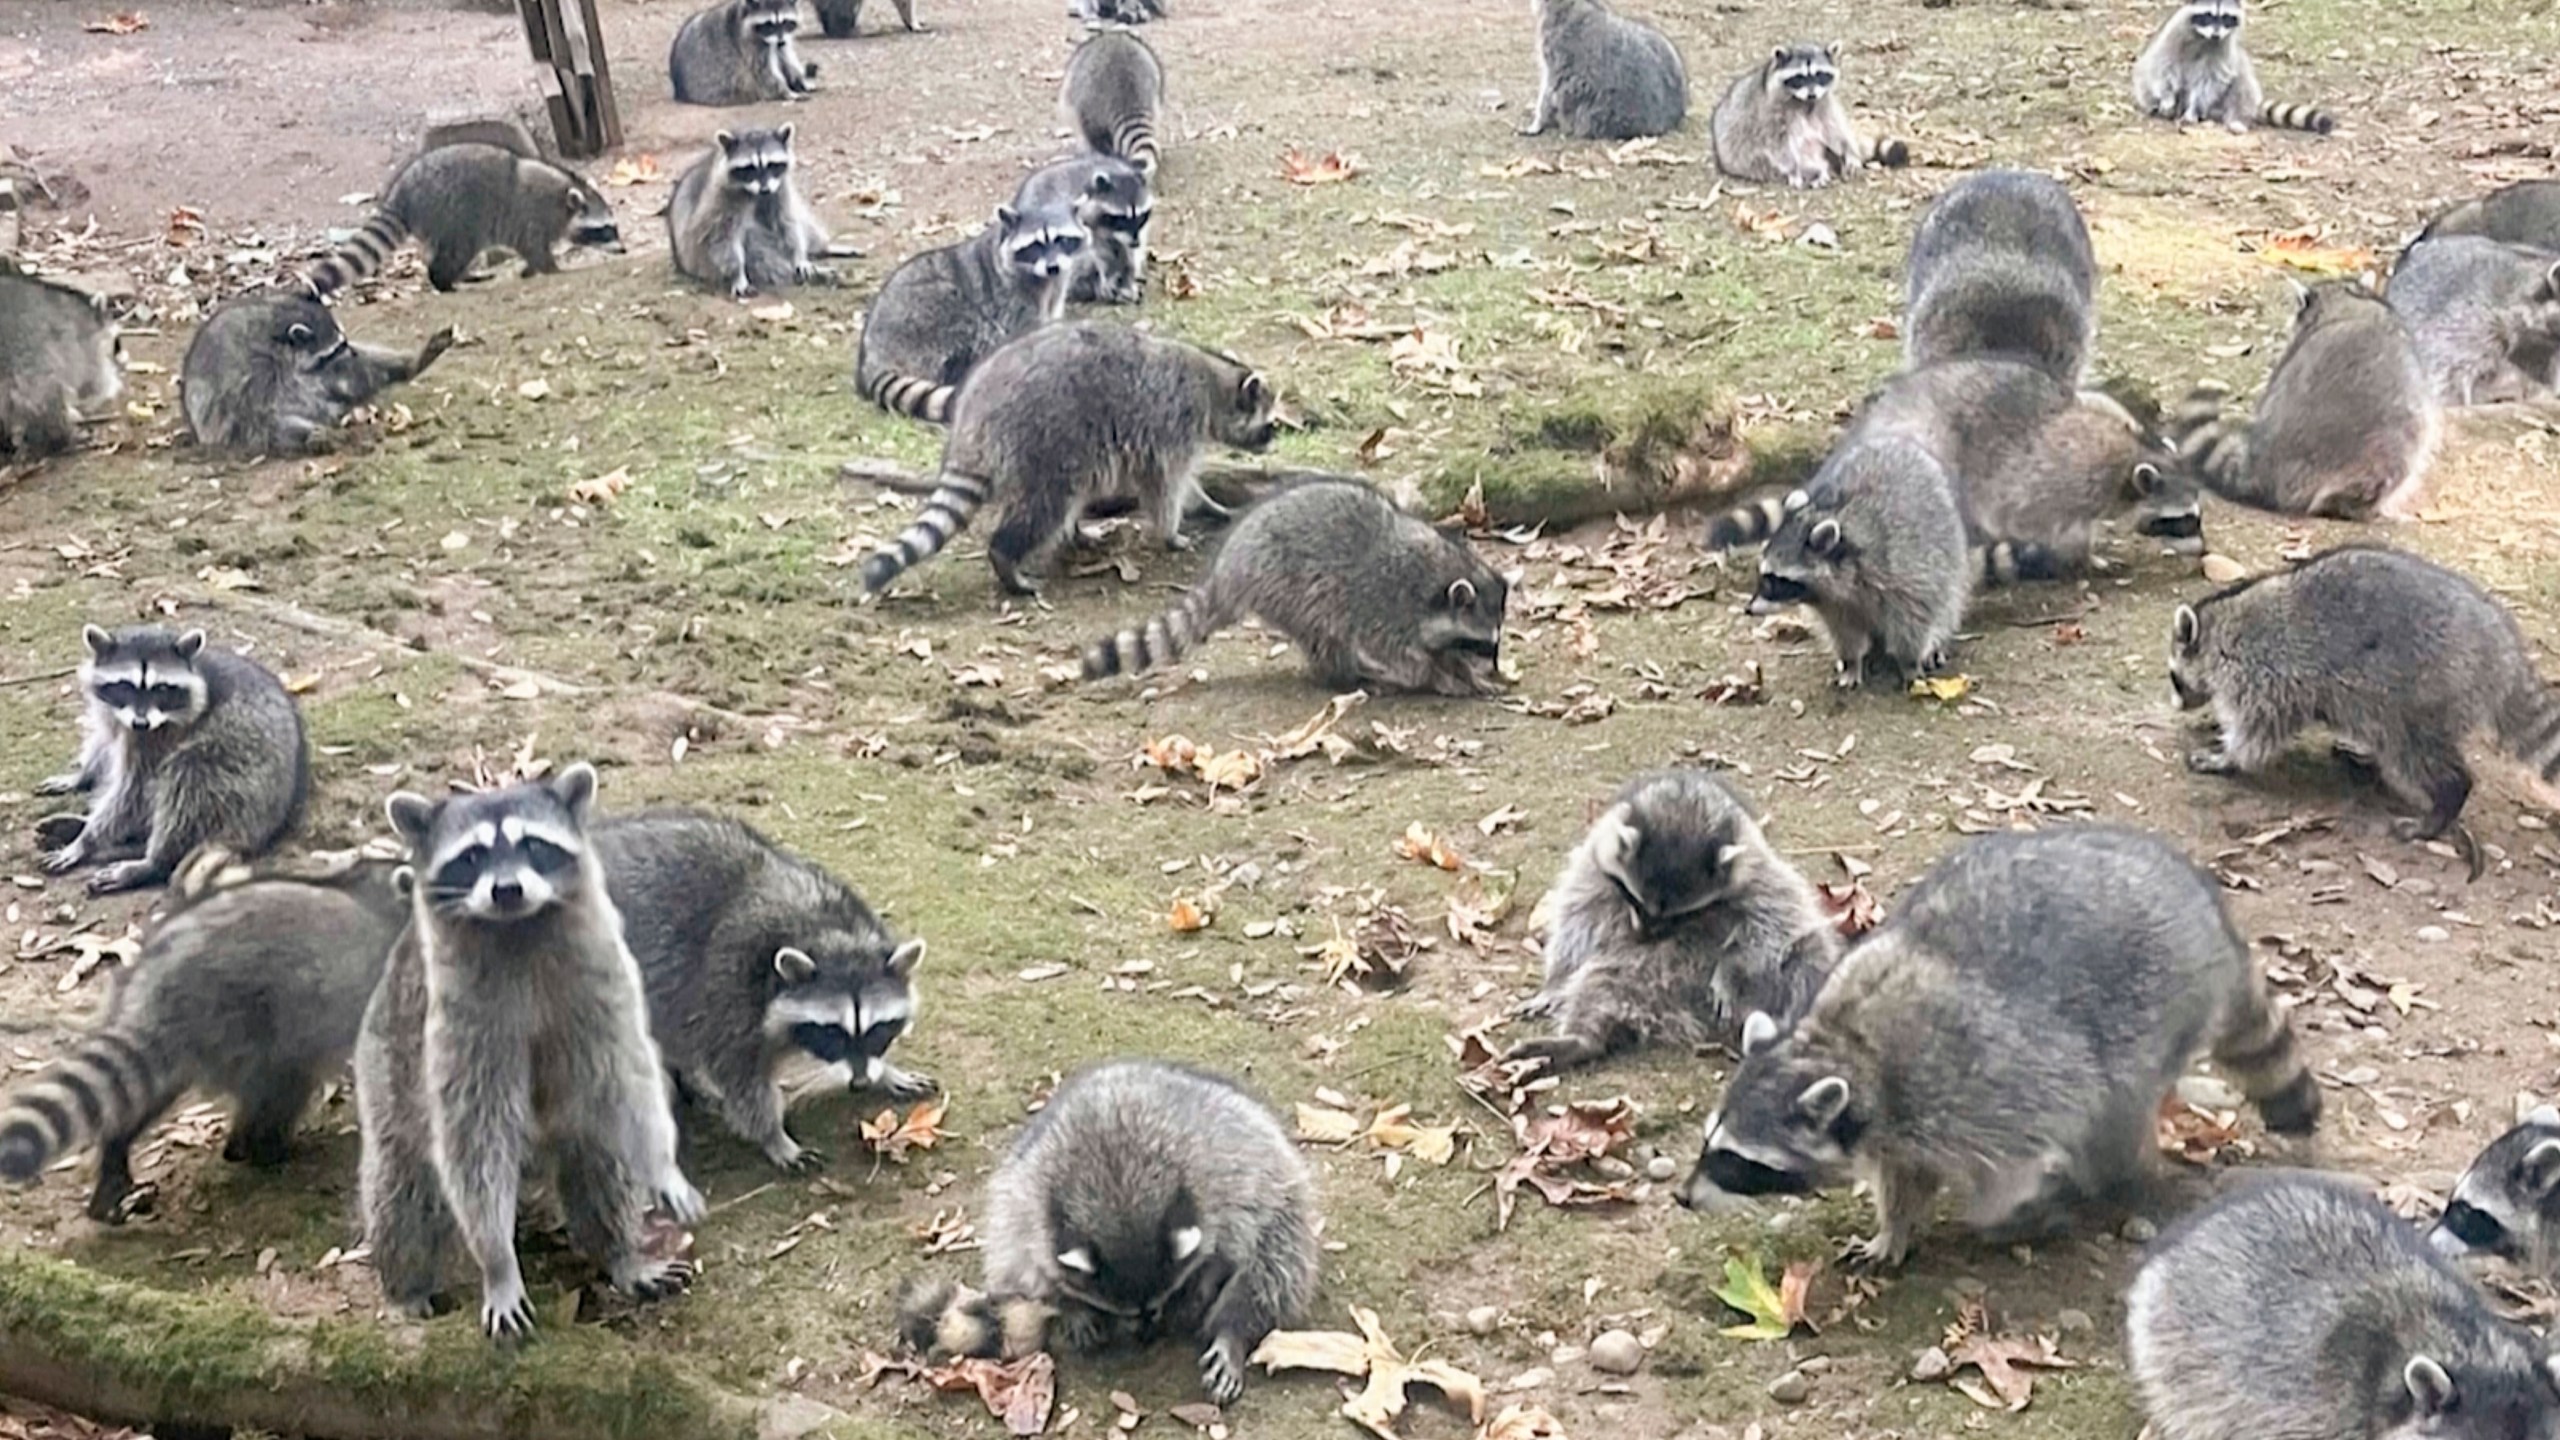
(1604, 76)
(1781, 123)
(2195, 72)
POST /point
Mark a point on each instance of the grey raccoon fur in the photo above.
(1116, 12)
(2473, 307)
(2298, 1307)
(506, 132)
(181, 744)
(511, 1019)
(842, 19)
(2009, 1032)
(1603, 75)
(1115, 205)
(273, 374)
(1781, 123)
(2524, 213)
(251, 985)
(1113, 96)
(753, 955)
(58, 357)
(942, 1319)
(1070, 412)
(2403, 660)
(943, 311)
(737, 221)
(1674, 919)
(2345, 429)
(2195, 72)
(2001, 265)
(461, 200)
(740, 53)
(1875, 544)
(1375, 597)
(2507, 1203)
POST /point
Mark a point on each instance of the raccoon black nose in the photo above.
(506, 892)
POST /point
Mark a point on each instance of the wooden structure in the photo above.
(577, 85)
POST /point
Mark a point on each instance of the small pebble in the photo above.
(1531, 1379)
(2434, 934)
(1815, 1365)
(1616, 1352)
(1564, 1355)
(2075, 1322)
(1931, 1366)
(2140, 1231)
(1483, 1319)
(1792, 1388)
(1661, 1167)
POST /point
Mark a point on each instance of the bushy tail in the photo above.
(946, 1320)
(1208, 608)
(2529, 727)
(2257, 1051)
(1886, 151)
(946, 513)
(2006, 562)
(911, 396)
(106, 1084)
(1134, 140)
(2215, 448)
(1749, 524)
(362, 255)
(2297, 117)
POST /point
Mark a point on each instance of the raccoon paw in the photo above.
(1849, 676)
(682, 1202)
(797, 1159)
(742, 289)
(2212, 760)
(1220, 1373)
(507, 1315)
(658, 1279)
(1077, 1330)
(63, 784)
(908, 1084)
(1876, 1252)
(124, 875)
(68, 857)
(1536, 1007)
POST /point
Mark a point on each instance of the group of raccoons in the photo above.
(529, 985)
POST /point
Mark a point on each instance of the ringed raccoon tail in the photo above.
(206, 869)
(1134, 140)
(1886, 151)
(2006, 562)
(911, 396)
(946, 513)
(2529, 728)
(2297, 117)
(1750, 524)
(946, 1320)
(364, 254)
(2215, 448)
(104, 1085)
(1164, 639)
(2258, 1053)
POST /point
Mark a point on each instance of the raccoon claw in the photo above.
(663, 1280)
(63, 784)
(909, 1085)
(1219, 1375)
(1076, 1331)
(681, 1201)
(123, 875)
(1876, 1252)
(507, 1317)
(2210, 761)
(804, 1160)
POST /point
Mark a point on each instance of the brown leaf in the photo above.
(602, 489)
(1554, 1141)
(889, 1137)
(1747, 688)
(1188, 916)
(1854, 910)
(1330, 168)
(123, 22)
(1021, 1392)
(2195, 1135)
(633, 170)
(1370, 1353)
(1794, 1286)
(1421, 843)
(2002, 1360)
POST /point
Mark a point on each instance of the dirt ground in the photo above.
(698, 637)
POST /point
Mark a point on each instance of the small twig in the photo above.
(734, 1201)
(40, 676)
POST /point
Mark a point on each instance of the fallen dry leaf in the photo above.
(1325, 1125)
(1518, 1422)
(1378, 1404)
(890, 1138)
(1021, 1393)
(1775, 1311)
(2195, 1135)
(2002, 1360)
(1393, 1129)
(1556, 1140)
(1188, 916)
(602, 489)
(1942, 687)
(1330, 168)
(1854, 910)
(1473, 912)
(1318, 732)
(633, 170)
(2302, 250)
(123, 22)
(1421, 843)
(2223, 570)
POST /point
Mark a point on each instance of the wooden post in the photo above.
(577, 83)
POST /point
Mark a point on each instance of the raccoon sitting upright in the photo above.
(2001, 265)
(460, 201)
(2507, 1203)
(2195, 72)
(2475, 310)
(740, 53)
(753, 955)
(1112, 96)
(1604, 76)
(181, 744)
(1115, 205)
(58, 359)
(842, 19)
(1375, 597)
(737, 221)
(2524, 213)
(273, 374)
(1673, 920)
(2009, 1032)
(1781, 123)
(1071, 412)
(945, 310)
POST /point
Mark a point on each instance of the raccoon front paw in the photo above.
(1178, 541)
(1222, 1371)
(1849, 676)
(507, 1314)
(1876, 1252)
(793, 1158)
(742, 289)
(124, 875)
(2212, 760)
(682, 1202)
(658, 1279)
(65, 783)
(66, 858)
(1078, 1331)
(1536, 1007)
(809, 71)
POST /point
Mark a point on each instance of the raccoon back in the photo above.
(1113, 79)
(1609, 76)
(2001, 263)
(714, 60)
(2348, 421)
(940, 313)
(57, 357)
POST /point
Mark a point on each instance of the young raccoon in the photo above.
(273, 374)
(2194, 72)
(2010, 1032)
(842, 19)
(2524, 213)
(459, 201)
(1115, 205)
(1673, 920)
(1147, 1199)
(512, 1019)
(740, 53)
(1604, 76)
(737, 220)
(2345, 429)
(1069, 412)
(2507, 1203)
(58, 357)
(943, 311)
(2297, 1306)
(753, 955)
(1875, 543)
(2402, 659)
(2473, 307)
(2001, 265)
(1375, 597)
(251, 984)
(181, 745)
(1781, 122)
(1113, 92)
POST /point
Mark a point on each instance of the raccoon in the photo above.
(251, 984)
(1875, 543)
(508, 133)
(1375, 597)
(59, 356)
(2298, 1306)
(1116, 12)
(842, 19)
(2472, 309)
(1673, 920)
(738, 222)
(2524, 213)
(512, 1018)
(2194, 72)
(1069, 412)
(943, 311)
(1113, 92)
(1604, 76)
(2010, 1031)
(465, 199)
(2507, 1203)
(1781, 122)
(2345, 429)
(740, 53)
(181, 745)
(2001, 265)
(753, 955)
(1115, 205)
(2402, 659)
(273, 374)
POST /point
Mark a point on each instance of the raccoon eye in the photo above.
(545, 856)
(169, 697)
(827, 1043)
(462, 870)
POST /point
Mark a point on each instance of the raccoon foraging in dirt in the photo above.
(512, 1019)
(740, 53)
(2001, 265)
(2299, 1306)
(1071, 412)
(59, 357)
(2507, 1203)
(737, 221)
(1115, 205)
(1376, 598)
(751, 956)
(2482, 314)
(2524, 213)
(2009, 1032)
(1604, 76)
(182, 744)
(460, 201)
(842, 19)
(273, 374)
(1781, 123)
(2195, 72)
(1674, 919)
(250, 985)
(1112, 96)
(944, 310)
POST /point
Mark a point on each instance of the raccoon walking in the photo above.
(2483, 317)
(251, 985)
(2001, 265)
(1115, 205)
(512, 1018)
(740, 53)
(58, 357)
(1070, 412)
(2009, 1032)
(1604, 76)
(945, 310)
(1375, 597)
(842, 19)
(1781, 123)
(737, 221)
(1113, 93)
(1673, 920)
(2524, 213)
(274, 374)
(2195, 72)
(2300, 1307)
(461, 201)
(2507, 1203)
(752, 955)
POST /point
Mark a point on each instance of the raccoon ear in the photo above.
(726, 141)
(1186, 1242)
(2546, 1117)
(190, 644)
(1823, 1100)
(793, 965)
(1007, 216)
(1796, 500)
(1462, 594)
(2542, 1167)
(1758, 1033)
(1825, 538)
(411, 815)
(2146, 479)
(1614, 838)
(1079, 1260)
(297, 334)
(902, 961)
(2301, 294)
(2551, 281)
(404, 882)
(1778, 56)
(96, 639)
(2430, 1389)
(1255, 392)
(2183, 627)
(576, 789)
(784, 131)
(1731, 855)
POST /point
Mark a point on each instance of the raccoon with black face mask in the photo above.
(1115, 205)
(2195, 72)
(945, 310)
(59, 357)
(738, 222)
(740, 53)
(1781, 123)
(274, 374)
(461, 200)
(2507, 1203)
